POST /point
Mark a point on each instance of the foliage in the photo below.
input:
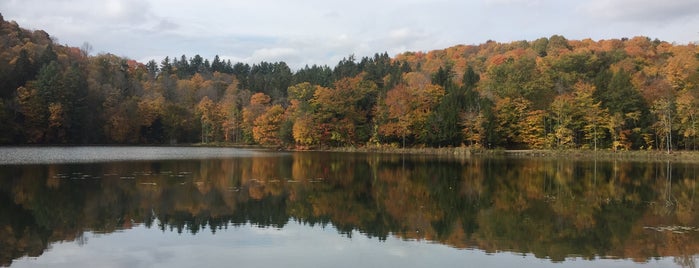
(548, 93)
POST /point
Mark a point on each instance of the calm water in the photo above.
(185, 207)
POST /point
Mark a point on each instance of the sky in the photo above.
(295, 245)
(323, 32)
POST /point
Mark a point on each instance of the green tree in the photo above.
(626, 107)
(444, 121)
(23, 71)
(166, 66)
(75, 104)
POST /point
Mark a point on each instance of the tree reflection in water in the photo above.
(551, 208)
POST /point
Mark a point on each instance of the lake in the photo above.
(213, 207)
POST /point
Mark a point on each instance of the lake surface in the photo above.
(213, 207)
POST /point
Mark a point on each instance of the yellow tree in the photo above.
(301, 113)
(258, 105)
(34, 112)
(533, 129)
(577, 114)
(230, 109)
(151, 108)
(210, 118)
(687, 115)
(509, 115)
(57, 125)
(473, 127)
(304, 132)
(663, 109)
(267, 125)
(680, 68)
(593, 115)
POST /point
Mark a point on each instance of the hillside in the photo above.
(551, 92)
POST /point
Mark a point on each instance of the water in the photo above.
(184, 207)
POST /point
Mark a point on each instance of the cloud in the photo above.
(273, 54)
(165, 25)
(323, 32)
(641, 10)
(400, 34)
(513, 2)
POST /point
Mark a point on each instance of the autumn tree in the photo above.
(687, 107)
(267, 126)
(593, 115)
(302, 113)
(344, 113)
(664, 110)
(512, 78)
(259, 102)
(509, 115)
(211, 120)
(396, 110)
(34, 114)
(151, 109)
(231, 109)
(618, 93)
(408, 106)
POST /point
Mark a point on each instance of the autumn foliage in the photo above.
(552, 92)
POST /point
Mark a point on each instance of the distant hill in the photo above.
(547, 93)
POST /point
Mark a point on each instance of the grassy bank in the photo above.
(465, 152)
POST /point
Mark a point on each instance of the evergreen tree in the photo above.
(74, 86)
(23, 71)
(444, 127)
(166, 66)
(242, 73)
(217, 65)
(183, 68)
(347, 67)
(152, 68)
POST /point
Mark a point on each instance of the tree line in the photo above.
(552, 92)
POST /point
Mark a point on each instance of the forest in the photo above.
(550, 93)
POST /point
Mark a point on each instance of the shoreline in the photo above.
(572, 154)
(451, 152)
(467, 152)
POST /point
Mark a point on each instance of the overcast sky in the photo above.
(324, 31)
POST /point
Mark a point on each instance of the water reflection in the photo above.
(553, 209)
